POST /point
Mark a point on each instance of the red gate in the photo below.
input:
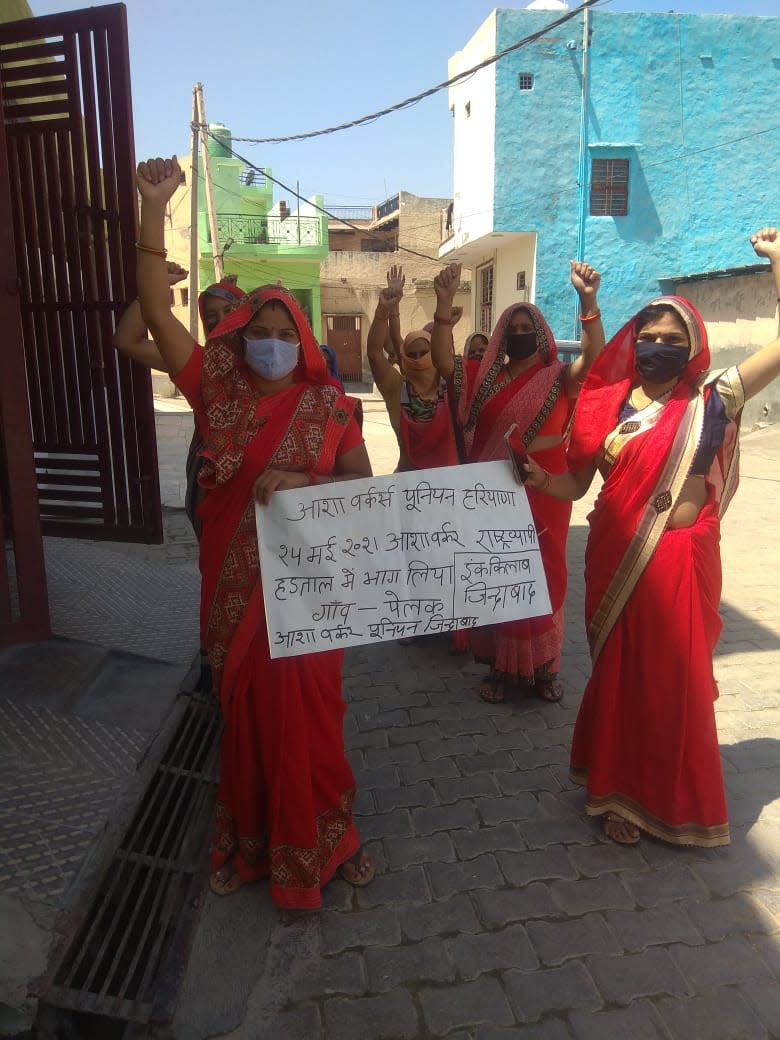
(68, 126)
(24, 608)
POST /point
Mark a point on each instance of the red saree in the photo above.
(430, 443)
(645, 743)
(488, 404)
(286, 789)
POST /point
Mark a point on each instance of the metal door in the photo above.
(344, 337)
(24, 608)
(68, 129)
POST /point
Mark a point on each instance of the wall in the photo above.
(14, 10)
(741, 315)
(474, 149)
(655, 96)
(519, 255)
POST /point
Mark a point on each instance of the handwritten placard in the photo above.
(363, 561)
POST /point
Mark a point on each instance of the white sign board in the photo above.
(363, 561)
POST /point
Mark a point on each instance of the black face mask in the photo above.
(659, 362)
(521, 345)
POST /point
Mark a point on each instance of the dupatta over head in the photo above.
(613, 373)
(228, 393)
(494, 358)
(226, 290)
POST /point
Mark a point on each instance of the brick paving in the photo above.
(498, 909)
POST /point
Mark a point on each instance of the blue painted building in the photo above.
(645, 143)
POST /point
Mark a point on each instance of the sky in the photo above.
(298, 65)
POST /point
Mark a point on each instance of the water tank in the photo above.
(547, 5)
(220, 148)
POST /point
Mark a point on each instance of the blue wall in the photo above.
(652, 96)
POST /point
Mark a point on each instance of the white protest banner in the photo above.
(363, 561)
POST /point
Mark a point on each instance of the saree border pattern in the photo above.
(692, 834)
(651, 526)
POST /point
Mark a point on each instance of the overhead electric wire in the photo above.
(409, 102)
(314, 205)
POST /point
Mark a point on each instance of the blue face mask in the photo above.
(659, 362)
(271, 358)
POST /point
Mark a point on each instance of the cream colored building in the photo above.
(355, 272)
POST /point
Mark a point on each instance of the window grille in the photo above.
(609, 188)
(525, 80)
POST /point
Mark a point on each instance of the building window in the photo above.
(468, 109)
(185, 297)
(609, 188)
(486, 299)
(520, 280)
(172, 298)
(525, 80)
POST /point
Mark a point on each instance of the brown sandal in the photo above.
(492, 689)
(548, 690)
(619, 829)
(359, 869)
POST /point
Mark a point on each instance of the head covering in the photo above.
(332, 362)
(418, 366)
(471, 336)
(614, 373)
(229, 396)
(494, 358)
(225, 290)
(413, 336)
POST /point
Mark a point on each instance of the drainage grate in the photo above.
(127, 955)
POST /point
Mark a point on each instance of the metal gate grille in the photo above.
(68, 125)
(118, 962)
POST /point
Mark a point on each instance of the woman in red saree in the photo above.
(663, 434)
(520, 381)
(272, 420)
(415, 397)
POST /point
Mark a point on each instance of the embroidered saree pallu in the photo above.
(284, 803)
(645, 742)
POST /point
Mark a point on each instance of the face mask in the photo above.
(271, 358)
(521, 345)
(659, 362)
(421, 364)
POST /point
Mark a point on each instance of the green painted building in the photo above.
(260, 242)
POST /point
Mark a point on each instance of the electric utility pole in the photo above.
(194, 244)
(219, 268)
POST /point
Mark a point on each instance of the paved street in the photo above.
(498, 909)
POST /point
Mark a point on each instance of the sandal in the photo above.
(225, 881)
(549, 690)
(619, 829)
(359, 869)
(492, 689)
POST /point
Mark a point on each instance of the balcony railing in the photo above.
(271, 230)
(384, 209)
(252, 178)
(352, 212)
